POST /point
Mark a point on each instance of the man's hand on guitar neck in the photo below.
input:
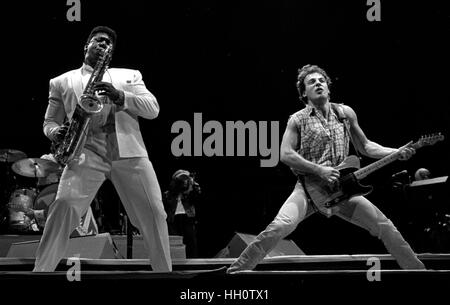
(406, 153)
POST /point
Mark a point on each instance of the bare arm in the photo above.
(367, 147)
(290, 157)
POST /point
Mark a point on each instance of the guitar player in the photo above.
(316, 140)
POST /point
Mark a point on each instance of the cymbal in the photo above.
(35, 167)
(11, 155)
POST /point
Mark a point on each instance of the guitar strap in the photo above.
(339, 111)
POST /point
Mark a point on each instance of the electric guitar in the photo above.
(326, 195)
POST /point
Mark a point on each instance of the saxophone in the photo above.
(70, 147)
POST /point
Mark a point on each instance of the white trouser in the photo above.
(137, 185)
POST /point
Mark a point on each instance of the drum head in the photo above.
(23, 197)
(20, 202)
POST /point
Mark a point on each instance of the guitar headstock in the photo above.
(428, 140)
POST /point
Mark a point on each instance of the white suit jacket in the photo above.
(65, 92)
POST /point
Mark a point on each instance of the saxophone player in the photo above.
(113, 148)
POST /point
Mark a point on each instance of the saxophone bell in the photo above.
(91, 103)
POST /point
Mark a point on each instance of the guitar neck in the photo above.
(424, 140)
(367, 170)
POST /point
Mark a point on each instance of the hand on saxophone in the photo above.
(107, 89)
(61, 132)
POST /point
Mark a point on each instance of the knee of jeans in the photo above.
(282, 227)
(383, 228)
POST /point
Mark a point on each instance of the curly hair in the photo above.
(305, 71)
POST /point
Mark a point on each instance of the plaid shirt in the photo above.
(320, 141)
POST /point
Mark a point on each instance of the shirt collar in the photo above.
(312, 111)
(85, 68)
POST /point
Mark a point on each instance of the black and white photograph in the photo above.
(225, 152)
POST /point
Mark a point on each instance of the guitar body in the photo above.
(326, 195)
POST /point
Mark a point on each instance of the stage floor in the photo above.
(204, 281)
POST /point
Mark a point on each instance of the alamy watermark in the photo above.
(233, 138)
(374, 272)
(74, 272)
(74, 11)
(374, 12)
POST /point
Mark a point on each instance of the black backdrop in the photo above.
(237, 60)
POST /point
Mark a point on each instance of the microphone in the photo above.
(400, 174)
(401, 178)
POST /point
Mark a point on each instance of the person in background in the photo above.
(179, 202)
(422, 174)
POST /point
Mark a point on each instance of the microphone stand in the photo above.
(36, 177)
(129, 232)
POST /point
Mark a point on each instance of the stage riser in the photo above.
(100, 246)
(191, 265)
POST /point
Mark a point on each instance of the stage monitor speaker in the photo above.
(240, 241)
(177, 248)
(95, 246)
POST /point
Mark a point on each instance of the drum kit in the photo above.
(25, 202)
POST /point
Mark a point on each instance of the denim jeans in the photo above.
(357, 210)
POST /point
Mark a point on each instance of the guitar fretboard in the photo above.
(367, 170)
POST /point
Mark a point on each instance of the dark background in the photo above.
(237, 60)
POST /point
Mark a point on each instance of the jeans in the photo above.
(357, 210)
